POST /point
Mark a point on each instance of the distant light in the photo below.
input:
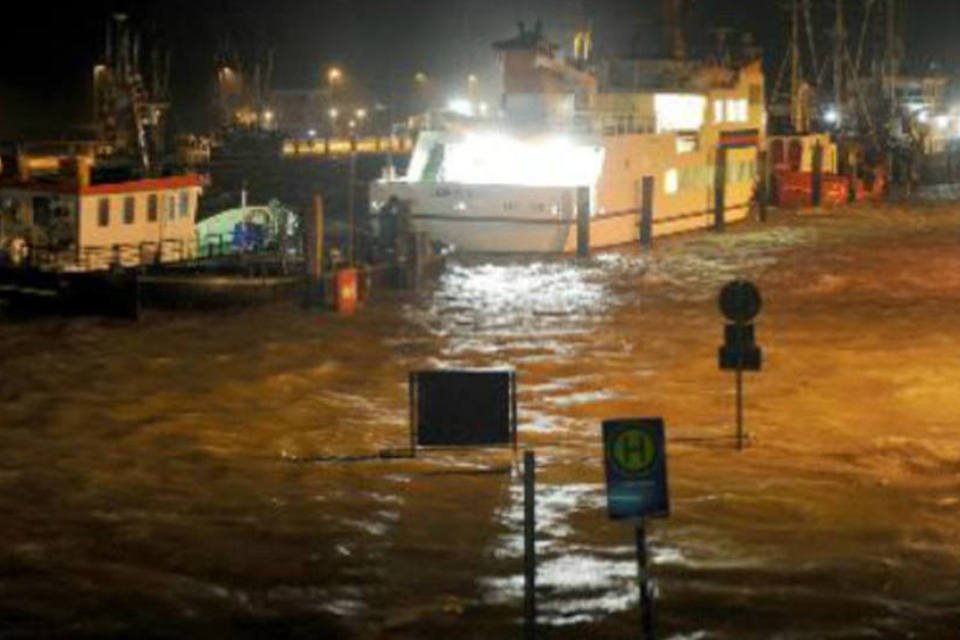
(461, 206)
(830, 115)
(268, 115)
(420, 77)
(923, 117)
(312, 133)
(353, 124)
(334, 112)
(461, 107)
(361, 114)
(472, 79)
(334, 75)
(943, 122)
(98, 69)
(484, 108)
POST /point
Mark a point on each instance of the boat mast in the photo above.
(891, 65)
(796, 108)
(838, 58)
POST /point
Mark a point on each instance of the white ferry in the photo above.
(510, 184)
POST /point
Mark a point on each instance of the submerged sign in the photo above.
(635, 460)
(463, 408)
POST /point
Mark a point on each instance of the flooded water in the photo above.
(207, 474)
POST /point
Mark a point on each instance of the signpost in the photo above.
(740, 303)
(635, 461)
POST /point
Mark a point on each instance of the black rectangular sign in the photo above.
(463, 408)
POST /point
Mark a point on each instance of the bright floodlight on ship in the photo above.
(483, 108)
(923, 117)
(461, 107)
(830, 115)
(496, 158)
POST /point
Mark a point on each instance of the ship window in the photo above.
(152, 207)
(184, 203)
(687, 144)
(718, 111)
(737, 111)
(129, 209)
(103, 212)
(671, 181)
(171, 207)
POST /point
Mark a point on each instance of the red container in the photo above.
(346, 291)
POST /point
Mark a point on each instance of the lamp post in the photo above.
(333, 113)
(472, 83)
(421, 82)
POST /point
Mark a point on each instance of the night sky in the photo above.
(380, 43)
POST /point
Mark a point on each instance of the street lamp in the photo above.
(334, 76)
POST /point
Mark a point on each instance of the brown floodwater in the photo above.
(192, 475)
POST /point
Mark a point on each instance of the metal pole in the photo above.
(647, 618)
(529, 546)
(351, 186)
(763, 159)
(739, 408)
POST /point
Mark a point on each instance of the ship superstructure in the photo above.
(621, 130)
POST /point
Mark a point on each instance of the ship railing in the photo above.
(99, 257)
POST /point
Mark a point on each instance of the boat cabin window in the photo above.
(129, 210)
(152, 207)
(103, 212)
(671, 181)
(171, 207)
(42, 212)
(184, 203)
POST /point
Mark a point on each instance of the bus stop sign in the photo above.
(635, 462)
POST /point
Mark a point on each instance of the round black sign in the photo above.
(740, 301)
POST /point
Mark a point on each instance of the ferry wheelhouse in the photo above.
(567, 127)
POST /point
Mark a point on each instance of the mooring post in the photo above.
(854, 170)
(763, 187)
(647, 617)
(720, 190)
(529, 546)
(816, 195)
(313, 252)
(583, 222)
(646, 212)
